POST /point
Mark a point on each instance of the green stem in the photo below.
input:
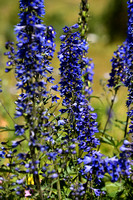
(36, 176)
(83, 18)
(7, 112)
(59, 189)
(127, 121)
(85, 189)
(110, 110)
(33, 149)
(58, 185)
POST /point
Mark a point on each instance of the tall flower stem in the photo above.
(86, 184)
(7, 112)
(59, 188)
(87, 72)
(110, 110)
(33, 151)
(36, 176)
(83, 19)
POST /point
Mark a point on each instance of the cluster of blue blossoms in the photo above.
(80, 116)
(122, 66)
(118, 73)
(73, 63)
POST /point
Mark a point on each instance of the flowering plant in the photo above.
(56, 153)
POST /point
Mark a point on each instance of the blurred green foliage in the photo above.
(114, 19)
(109, 18)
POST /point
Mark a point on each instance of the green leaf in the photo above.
(67, 191)
(120, 142)
(46, 100)
(118, 85)
(56, 117)
(107, 139)
(6, 170)
(6, 128)
(96, 97)
(113, 188)
(121, 122)
(119, 126)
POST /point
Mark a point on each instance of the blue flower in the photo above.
(2, 154)
(97, 192)
(52, 155)
(19, 129)
(20, 181)
(61, 122)
(15, 143)
(87, 160)
(55, 87)
(55, 175)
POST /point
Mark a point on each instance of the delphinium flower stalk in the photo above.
(87, 72)
(73, 61)
(31, 61)
(80, 115)
(122, 74)
(117, 77)
(129, 79)
(122, 67)
(127, 147)
(84, 19)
